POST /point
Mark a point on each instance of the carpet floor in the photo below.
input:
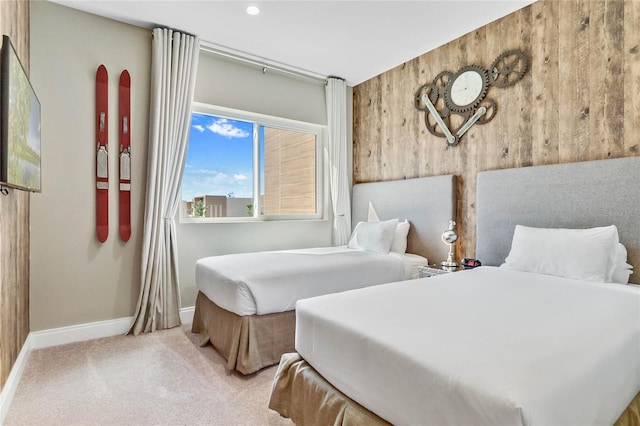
(161, 378)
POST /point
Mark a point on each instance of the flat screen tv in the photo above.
(20, 125)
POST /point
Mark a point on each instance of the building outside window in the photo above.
(245, 166)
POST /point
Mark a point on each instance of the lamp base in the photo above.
(448, 265)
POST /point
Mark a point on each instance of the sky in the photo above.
(220, 158)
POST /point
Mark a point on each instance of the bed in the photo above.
(492, 345)
(245, 303)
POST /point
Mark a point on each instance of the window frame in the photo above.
(258, 120)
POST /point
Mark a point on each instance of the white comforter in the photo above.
(268, 282)
(484, 346)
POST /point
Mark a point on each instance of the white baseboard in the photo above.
(186, 314)
(92, 330)
(80, 332)
(10, 386)
(61, 336)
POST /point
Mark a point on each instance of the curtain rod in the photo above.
(219, 50)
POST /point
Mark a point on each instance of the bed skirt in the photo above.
(303, 395)
(248, 343)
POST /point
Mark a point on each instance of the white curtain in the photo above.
(174, 61)
(336, 91)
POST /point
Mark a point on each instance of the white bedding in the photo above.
(268, 282)
(484, 346)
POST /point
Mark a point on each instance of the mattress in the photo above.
(482, 346)
(269, 282)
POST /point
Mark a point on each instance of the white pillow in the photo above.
(620, 269)
(583, 254)
(372, 214)
(375, 236)
(399, 244)
(613, 258)
(353, 240)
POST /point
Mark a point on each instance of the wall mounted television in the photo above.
(20, 161)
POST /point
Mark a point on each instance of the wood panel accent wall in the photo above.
(580, 100)
(14, 221)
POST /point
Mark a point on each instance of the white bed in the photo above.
(269, 282)
(558, 344)
(485, 346)
(245, 304)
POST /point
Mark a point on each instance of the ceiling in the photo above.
(355, 40)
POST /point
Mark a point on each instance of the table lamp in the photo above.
(449, 237)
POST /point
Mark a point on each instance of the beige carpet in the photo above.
(162, 378)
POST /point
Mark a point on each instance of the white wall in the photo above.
(74, 278)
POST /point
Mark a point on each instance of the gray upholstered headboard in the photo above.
(573, 195)
(429, 203)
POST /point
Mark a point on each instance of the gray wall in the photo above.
(74, 278)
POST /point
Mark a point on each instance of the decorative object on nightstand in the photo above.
(470, 263)
(453, 102)
(450, 237)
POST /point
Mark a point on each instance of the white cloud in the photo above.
(214, 184)
(222, 127)
(207, 172)
(198, 127)
(202, 181)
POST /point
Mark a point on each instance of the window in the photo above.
(245, 166)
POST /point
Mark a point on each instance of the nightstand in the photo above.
(431, 271)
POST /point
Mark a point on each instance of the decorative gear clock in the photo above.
(461, 97)
(467, 88)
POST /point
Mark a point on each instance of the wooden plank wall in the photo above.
(580, 100)
(14, 221)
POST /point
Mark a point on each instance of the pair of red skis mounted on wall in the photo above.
(102, 155)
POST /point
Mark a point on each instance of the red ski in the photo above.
(102, 156)
(125, 156)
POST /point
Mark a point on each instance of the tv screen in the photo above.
(20, 120)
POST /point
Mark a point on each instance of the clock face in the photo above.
(466, 88)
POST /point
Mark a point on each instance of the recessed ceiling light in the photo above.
(253, 10)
